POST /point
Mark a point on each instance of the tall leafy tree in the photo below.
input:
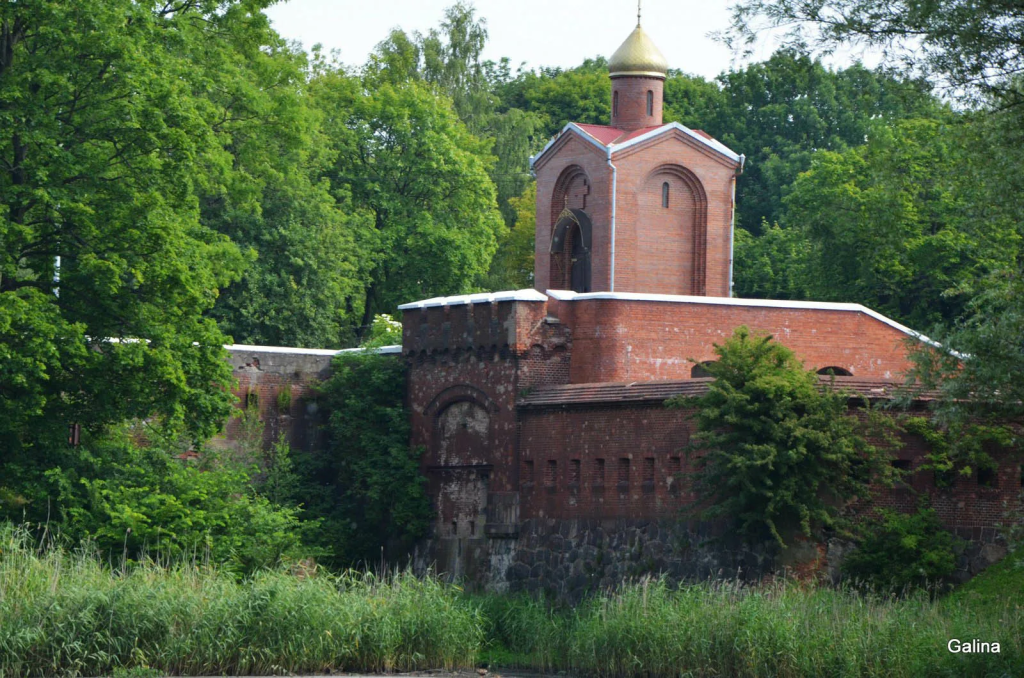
(423, 177)
(110, 131)
(782, 111)
(973, 47)
(512, 266)
(303, 287)
(449, 59)
(892, 224)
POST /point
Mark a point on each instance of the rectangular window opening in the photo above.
(987, 477)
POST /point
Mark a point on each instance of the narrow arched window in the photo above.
(664, 195)
(615, 104)
(650, 103)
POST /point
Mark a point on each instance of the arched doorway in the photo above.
(570, 251)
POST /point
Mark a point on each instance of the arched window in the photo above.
(835, 371)
(615, 104)
(664, 195)
(650, 103)
(700, 370)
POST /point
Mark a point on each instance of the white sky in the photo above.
(539, 32)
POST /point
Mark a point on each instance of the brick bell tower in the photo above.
(636, 205)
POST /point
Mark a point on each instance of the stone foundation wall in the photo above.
(569, 559)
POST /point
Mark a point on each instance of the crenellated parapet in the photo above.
(506, 322)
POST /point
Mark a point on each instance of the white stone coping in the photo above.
(612, 148)
(482, 298)
(326, 352)
(566, 295)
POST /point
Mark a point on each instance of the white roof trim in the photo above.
(327, 352)
(483, 298)
(566, 295)
(575, 128)
(714, 144)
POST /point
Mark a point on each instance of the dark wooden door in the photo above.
(579, 273)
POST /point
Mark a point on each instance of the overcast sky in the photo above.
(538, 32)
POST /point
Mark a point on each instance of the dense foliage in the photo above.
(899, 552)
(365, 485)
(968, 217)
(774, 450)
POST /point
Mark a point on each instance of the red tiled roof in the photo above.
(657, 391)
(635, 133)
(602, 133)
(613, 135)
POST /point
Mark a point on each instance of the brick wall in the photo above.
(263, 373)
(629, 454)
(636, 340)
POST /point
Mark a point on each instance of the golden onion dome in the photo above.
(638, 56)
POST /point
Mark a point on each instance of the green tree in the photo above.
(893, 225)
(772, 265)
(558, 97)
(366, 484)
(449, 59)
(971, 46)
(407, 159)
(108, 137)
(512, 266)
(782, 111)
(305, 284)
(777, 454)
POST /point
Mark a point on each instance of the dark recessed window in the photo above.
(650, 103)
(835, 371)
(987, 477)
(551, 473)
(675, 467)
(615, 104)
(574, 470)
(664, 195)
(599, 471)
(623, 477)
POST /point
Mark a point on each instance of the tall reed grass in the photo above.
(67, 614)
(650, 630)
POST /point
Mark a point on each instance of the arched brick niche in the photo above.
(570, 227)
(671, 251)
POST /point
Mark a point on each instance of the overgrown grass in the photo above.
(649, 629)
(68, 614)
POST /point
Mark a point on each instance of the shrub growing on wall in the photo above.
(903, 551)
(366, 484)
(776, 452)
